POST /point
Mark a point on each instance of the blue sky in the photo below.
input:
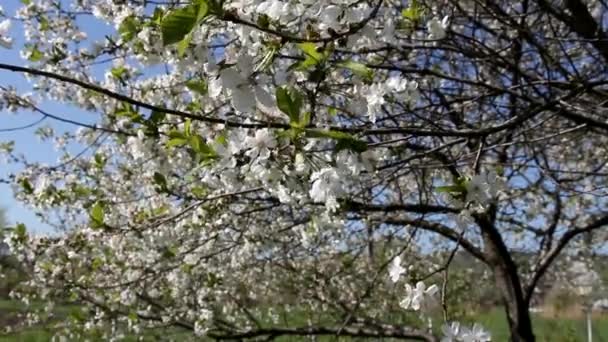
(25, 140)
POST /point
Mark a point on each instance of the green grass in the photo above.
(33, 335)
(9, 311)
(546, 329)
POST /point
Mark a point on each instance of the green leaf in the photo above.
(97, 214)
(160, 210)
(215, 7)
(352, 144)
(187, 127)
(176, 134)
(21, 230)
(96, 264)
(35, 54)
(204, 152)
(127, 111)
(344, 140)
(313, 57)
(183, 45)
(100, 161)
(263, 21)
(310, 49)
(413, 13)
(118, 72)
(155, 118)
(170, 252)
(160, 180)
(358, 69)
(81, 191)
(44, 23)
(176, 24)
(320, 133)
(290, 103)
(203, 10)
(128, 28)
(199, 191)
(222, 139)
(305, 119)
(157, 16)
(197, 143)
(177, 142)
(450, 189)
(27, 186)
(197, 86)
(178, 138)
(133, 316)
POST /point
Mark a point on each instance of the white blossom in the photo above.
(326, 187)
(451, 332)
(5, 40)
(419, 297)
(475, 334)
(395, 270)
(261, 144)
(437, 28)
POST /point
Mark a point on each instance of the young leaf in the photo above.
(35, 54)
(21, 230)
(177, 142)
(160, 181)
(197, 86)
(450, 189)
(178, 23)
(118, 72)
(203, 151)
(27, 186)
(313, 57)
(199, 191)
(183, 45)
(97, 214)
(290, 103)
(177, 138)
(128, 28)
(100, 161)
(197, 143)
(344, 140)
(413, 13)
(203, 10)
(358, 69)
(310, 49)
(155, 118)
(187, 127)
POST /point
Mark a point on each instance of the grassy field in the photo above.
(547, 329)
(9, 311)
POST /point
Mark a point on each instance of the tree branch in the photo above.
(381, 331)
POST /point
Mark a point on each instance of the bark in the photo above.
(507, 281)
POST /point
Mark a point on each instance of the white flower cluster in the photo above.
(395, 86)
(5, 40)
(418, 297)
(454, 332)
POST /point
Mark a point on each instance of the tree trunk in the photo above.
(518, 315)
(507, 281)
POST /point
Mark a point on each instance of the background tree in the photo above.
(3, 220)
(259, 169)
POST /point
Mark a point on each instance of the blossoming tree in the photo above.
(266, 168)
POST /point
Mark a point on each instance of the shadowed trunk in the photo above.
(507, 281)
